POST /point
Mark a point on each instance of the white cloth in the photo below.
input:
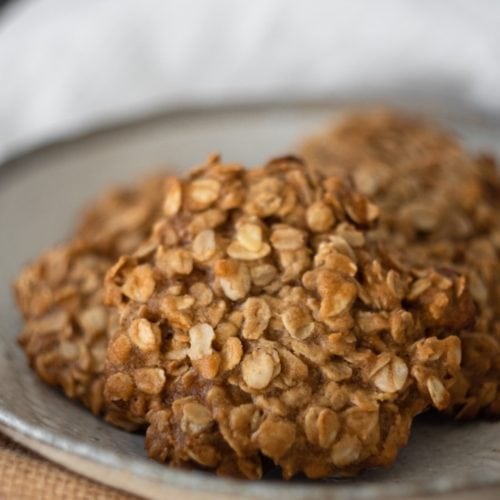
(67, 65)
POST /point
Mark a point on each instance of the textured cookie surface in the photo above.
(257, 321)
(60, 294)
(440, 204)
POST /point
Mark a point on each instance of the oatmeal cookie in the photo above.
(441, 205)
(120, 220)
(258, 321)
(66, 325)
(60, 294)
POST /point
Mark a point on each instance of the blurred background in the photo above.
(67, 66)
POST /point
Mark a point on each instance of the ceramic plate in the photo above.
(41, 193)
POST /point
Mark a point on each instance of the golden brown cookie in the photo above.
(438, 203)
(60, 294)
(258, 321)
(121, 219)
(66, 325)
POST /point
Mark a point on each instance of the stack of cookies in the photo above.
(302, 313)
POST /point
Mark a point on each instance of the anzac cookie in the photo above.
(120, 220)
(440, 204)
(60, 294)
(257, 321)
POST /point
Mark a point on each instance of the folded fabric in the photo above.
(67, 66)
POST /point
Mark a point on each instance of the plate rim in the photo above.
(205, 483)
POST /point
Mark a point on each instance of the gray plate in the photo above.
(40, 195)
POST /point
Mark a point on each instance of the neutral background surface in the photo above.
(66, 65)
(24, 475)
